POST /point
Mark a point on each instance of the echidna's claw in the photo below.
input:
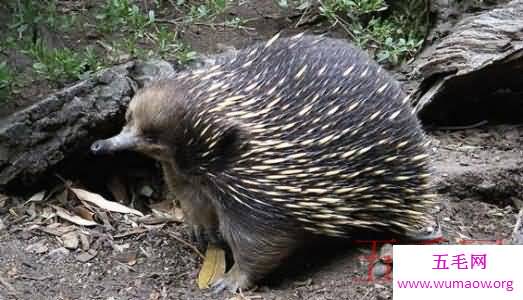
(197, 235)
(233, 281)
(214, 237)
(202, 237)
(218, 286)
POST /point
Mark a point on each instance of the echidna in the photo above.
(280, 141)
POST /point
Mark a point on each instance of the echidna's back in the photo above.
(323, 74)
(333, 145)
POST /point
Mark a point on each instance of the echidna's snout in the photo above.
(125, 140)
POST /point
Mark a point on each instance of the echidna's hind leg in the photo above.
(257, 250)
(233, 281)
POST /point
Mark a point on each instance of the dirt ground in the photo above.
(478, 175)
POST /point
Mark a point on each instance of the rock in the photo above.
(86, 256)
(84, 240)
(146, 191)
(38, 247)
(58, 253)
(146, 71)
(70, 240)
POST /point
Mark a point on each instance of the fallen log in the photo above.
(37, 138)
(478, 64)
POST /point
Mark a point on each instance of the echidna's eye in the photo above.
(151, 139)
(150, 136)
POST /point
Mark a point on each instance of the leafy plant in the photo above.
(122, 15)
(29, 13)
(184, 54)
(6, 81)
(25, 16)
(330, 8)
(62, 65)
(208, 10)
(392, 32)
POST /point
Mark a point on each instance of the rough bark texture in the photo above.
(44, 134)
(483, 56)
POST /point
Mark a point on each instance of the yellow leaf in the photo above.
(213, 267)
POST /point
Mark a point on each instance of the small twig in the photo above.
(131, 232)
(148, 220)
(107, 47)
(516, 235)
(126, 266)
(242, 296)
(342, 23)
(179, 239)
(471, 126)
(174, 5)
(306, 20)
(345, 27)
(65, 182)
(224, 24)
(36, 278)
(179, 22)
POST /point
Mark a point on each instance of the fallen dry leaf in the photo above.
(178, 214)
(3, 200)
(213, 267)
(31, 211)
(128, 258)
(132, 261)
(36, 197)
(165, 206)
(64, 214)
(166, 210)
(133, 231)
(104, 203)
(84, 213)
(47, 213)
(57, 229)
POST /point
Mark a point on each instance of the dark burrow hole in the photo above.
(494, 94)
(97, 173)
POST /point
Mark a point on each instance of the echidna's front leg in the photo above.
(199, 211)
(201, 217)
